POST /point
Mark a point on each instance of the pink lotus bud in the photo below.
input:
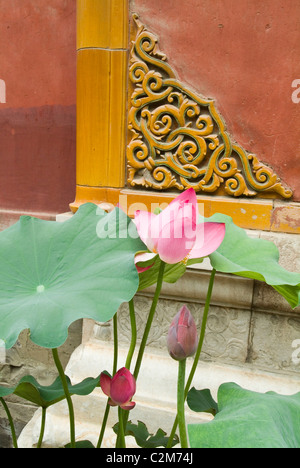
(182, 338)
(120, 389)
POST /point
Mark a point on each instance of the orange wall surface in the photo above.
(38, 120)
(245, 55)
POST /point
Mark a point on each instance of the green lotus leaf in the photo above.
(81, 444)
(29, 389)
(149, 277)
(254, 258)
(248, 419)
(52, 274)
(201, 401)
(143, 438)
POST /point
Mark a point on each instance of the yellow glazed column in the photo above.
(102, 57)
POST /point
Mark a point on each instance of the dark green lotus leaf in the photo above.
(254, 258)
(149, 277)
(52, 274)
(143, 438)
(29, 389)
(201, 401)
(248, 419)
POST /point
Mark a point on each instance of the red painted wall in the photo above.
(245, 54)
(38, 120)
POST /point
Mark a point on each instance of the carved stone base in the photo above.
(155, 397)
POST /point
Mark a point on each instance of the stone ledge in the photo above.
(285, 217)
(193, 286)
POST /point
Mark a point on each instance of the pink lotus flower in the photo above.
(120, 389)
(182, 338)
(174, 233)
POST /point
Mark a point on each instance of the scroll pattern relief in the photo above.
(178, 139)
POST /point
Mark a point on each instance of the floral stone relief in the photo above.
(227, 328)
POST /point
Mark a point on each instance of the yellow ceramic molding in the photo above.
(102, 62)
(102, 24)
(101, 117)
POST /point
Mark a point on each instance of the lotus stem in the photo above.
(67, 395)
(150, 319)
(115, 366)
(42, 431)
(180, 404)
(11, 423)
(198, 352)
(133, 335)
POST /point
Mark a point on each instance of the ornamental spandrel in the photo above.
(179, 140)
